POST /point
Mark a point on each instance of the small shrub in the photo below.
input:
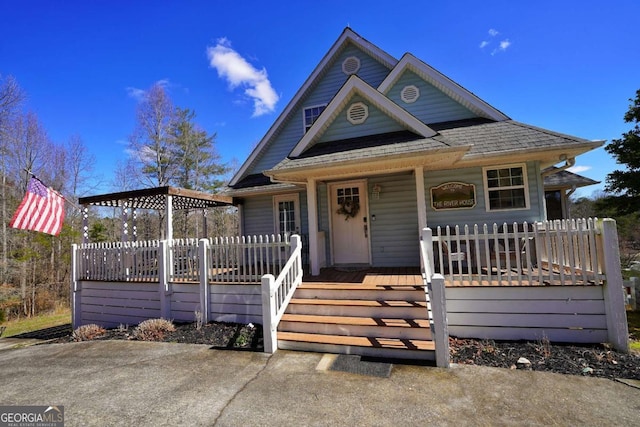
(153, 329)
(88, 332)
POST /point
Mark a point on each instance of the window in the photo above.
(311, 114)
(349, 194)
(506, 188)
(286, 214)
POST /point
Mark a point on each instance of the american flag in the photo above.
(42, 209)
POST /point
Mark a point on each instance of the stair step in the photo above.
(349, 325)
(359, 321)
(357, 287)
(362, 293)
(358, 308)
(358, 303)
(390, 343)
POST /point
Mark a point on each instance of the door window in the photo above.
(287, 214)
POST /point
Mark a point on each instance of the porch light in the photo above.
(375, 193)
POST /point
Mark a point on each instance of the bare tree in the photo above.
(151, 141)
(11, 98)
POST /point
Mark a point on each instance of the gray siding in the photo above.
(433, 106)
(258, 215)
(394, 233)
(478, 214)
(371, 71)
(377, 122)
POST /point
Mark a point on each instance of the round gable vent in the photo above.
(351, 65)
(410, 94)
(357, 113)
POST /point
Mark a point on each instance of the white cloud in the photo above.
(135, 93)
(579, 169)
(237, 71)
(138, 94)
(504, 44)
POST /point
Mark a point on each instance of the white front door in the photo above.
(349, 222)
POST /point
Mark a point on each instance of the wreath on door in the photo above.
(349, 208)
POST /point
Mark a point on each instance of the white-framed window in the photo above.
(505, 187)
(311, 114)
(286, 214)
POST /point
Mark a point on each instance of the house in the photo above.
(371, 149)
(384, 165)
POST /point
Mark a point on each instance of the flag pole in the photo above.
(33, 175)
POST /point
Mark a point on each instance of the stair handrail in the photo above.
(435, 297)
(277, 292)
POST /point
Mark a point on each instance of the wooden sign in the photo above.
(453, 195)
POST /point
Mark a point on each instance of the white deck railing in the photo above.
(436, 301)
(278, 291)
(550, 252)
(118, 261)
(229, 260)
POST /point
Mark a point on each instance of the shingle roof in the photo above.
(481, 137)
(507, 136)
(567, 179)
(417, 145)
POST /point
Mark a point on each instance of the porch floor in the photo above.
(411, 276)
(389, 276)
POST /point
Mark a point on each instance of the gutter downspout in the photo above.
(570, 162)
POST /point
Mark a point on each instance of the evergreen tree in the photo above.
(626, 151)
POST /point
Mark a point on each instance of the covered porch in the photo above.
(571, 291)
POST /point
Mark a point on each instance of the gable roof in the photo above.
(458, 144)
(486, 136)
(353, 86)
(566, 179)
(347, 37)
(443, 83)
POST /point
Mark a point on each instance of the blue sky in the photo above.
(569, 66)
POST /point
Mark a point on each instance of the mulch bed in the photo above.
(584, 360)
(218, 335)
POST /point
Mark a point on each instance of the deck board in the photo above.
(411, 276)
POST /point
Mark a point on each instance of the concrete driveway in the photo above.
(119, 383)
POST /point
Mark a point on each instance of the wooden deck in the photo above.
(397, 276)
(411, 276)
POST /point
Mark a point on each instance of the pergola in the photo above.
(164, 199)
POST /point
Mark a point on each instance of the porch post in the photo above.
(169, 219)
(164, 284)
(85, 224)
(76, 290)
(312, 212)
(421, 198)
(205, 294)
(613, 290)
(241, 220)
(125, 221)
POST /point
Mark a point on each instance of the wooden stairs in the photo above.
(367, 320)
